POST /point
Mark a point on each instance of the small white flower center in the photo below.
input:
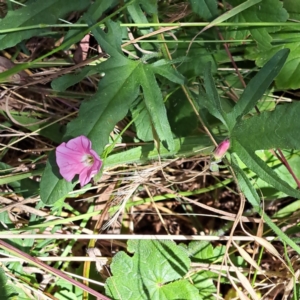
(88, 160)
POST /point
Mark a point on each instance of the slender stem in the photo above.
(49, 269)
(282, 158)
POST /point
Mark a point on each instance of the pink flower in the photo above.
(221, 149)
(77, 157)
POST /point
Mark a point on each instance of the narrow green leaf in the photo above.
(196, 145)
(96, 9)
(204, 102)
(287, 210)
(244, 6)
(60, 84)
(36, 12)
(155, 106)
(16, 177)
(293, 159)
(289, 74)
(163, 68)
(137, 15)
(142, 122)
(211, 91)
(150, 6)
(258, 85)
(253, 198)
(262, 170)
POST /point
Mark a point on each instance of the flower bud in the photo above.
(221, 149)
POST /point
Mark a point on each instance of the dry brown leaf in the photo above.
(247, 257)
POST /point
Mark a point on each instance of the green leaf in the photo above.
(231, 13)
(53, 186)
(206, 9)
(293, 159)
(287, 210)
(253, 198)
(203, 281)
(181, 115)
(155, 271)
(67, 291)
(265, 11)
(258, 86)
(142, 122)
(54, 132)
(62, 83)
(267, 131)
(288, 76)
(210, 98)
(8, 291)
(277, 129)
(138, 15)
(26, 187)
(35, 13)
(150, 6)
(192, 62)
(164, 68)
(296, 294)
(96, 9)
(117, 90)
(183, 147)
(201, 251)
(253, 162)
(293, 8)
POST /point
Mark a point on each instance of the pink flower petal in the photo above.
(63, 154)
(68, 172)
(81, 144)
(74, 157)
(86, 175)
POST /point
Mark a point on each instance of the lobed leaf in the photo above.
(117, 90)
(155, 271)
